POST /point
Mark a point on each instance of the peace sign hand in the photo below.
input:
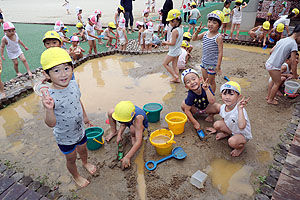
(47, 101)
(243, 102)
(200, 27)
(205, 85)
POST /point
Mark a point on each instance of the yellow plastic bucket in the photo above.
(176, 122)
(162, 140)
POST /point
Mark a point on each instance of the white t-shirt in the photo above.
(283, 19)
(181, 59)
(281, 52)
(195, 13)
(148, 36)
(121, 34)
(231, 121)
(91, 29)
(168, 28)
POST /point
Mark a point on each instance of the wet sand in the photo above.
(26, 141)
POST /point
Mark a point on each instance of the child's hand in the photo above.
(87, 122)
(47, 101)
(125, 162)
(2, 57)
(163, 43)
(119, 138)
(218, 71)
(197, 126)
(205, 85)
(26, 48)
(243, 102)
(200, 27)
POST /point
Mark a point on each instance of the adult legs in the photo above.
(126, 15)
(131, 20)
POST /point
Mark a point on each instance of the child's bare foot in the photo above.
(100, 43)
(237, 152)
(278, 93)
(274, 98)
(209, 118)
(236, 38)
(125, 163)
(19, 74)
(221, 135)
(29, 74)
(110, 136)
(211, 130)
(82, 182)
(90, 168)
(274, 102)
(253, 40)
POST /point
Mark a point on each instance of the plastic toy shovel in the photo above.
(177, 153)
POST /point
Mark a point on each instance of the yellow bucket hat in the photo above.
(187, 35)
(185, 44)
(280, 27)
(79, 25)
(54, 56)
(218, 14)
(231, 85)
(173, 14)
(51, 35)
(121, 8)
(111, 25)
(266, 25)
(124, 111)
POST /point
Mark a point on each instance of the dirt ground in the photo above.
(33, 149)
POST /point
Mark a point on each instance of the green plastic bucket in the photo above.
(94, 138)
(153, 111)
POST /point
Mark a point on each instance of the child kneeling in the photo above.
(200, 99)
(235, 123)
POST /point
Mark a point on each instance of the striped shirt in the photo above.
(210, 50)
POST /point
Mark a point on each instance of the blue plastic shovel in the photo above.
(271, 40)
(265, 47)
(177, 153)
(201, 134)
(226, 78)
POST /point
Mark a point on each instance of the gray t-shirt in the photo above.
(195, 13)
(69, 128)
(281, 52)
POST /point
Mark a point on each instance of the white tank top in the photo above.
(121, 34)
(176, 49)
(13, 48)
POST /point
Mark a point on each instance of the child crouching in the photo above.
(235, 123)
(200, 99)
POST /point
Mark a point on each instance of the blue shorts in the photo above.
(211, 69)
(66, 149)
(193, 21)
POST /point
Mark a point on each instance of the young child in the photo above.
(2, 93)
(59, 28)
(283, 8)
(133, 117)
(174, 20)
(12, 42)
(81, 32)
(147, 37)
(270, 11)
(286, 73)
(75, 51)
(200, 98)
(153, 6)
(109, 34)
(67, 119)
(1, 18)
(235, 122)
(183, 58)
(286, 19)
(161, 25)
(187, 36)
(140, 26)
(121, 31)
(279, 53)
(276, 33)
(186, 6)
(120, 10)
(237, 17)
(193, 17)
(260, 32)
(146, 17)
(226, 11)
(98, 14)
(212, 47)
(91, 33)
(51, 39)
(67, 6)
(79, 15)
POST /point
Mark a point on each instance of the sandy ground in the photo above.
(35, 11)
(32, 147)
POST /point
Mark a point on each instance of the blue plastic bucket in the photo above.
(94, 138)
(153, 111)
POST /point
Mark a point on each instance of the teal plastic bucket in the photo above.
(153, 111)
(94, 138)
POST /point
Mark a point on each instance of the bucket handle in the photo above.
(171, 142)
(98, 141)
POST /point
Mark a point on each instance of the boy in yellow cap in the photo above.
(184, 56)
(260, 32)
(52, 39)
(193, 17)
(235, 122)
(133, 117)
(65, 112)
(286, 19)
(276, 33)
